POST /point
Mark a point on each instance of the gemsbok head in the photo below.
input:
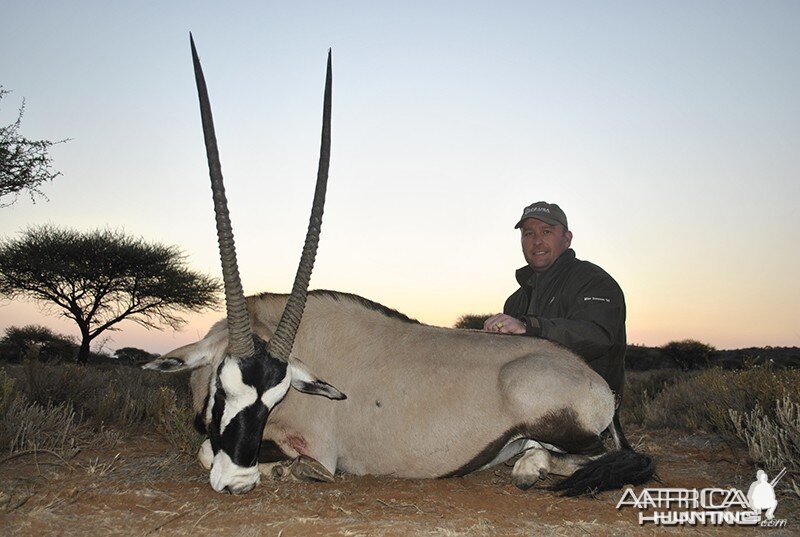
(255, 375)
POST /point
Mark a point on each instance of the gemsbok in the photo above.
(416, 401)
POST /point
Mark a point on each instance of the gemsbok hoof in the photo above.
(307, 469)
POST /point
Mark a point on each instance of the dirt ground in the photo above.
(141, 488)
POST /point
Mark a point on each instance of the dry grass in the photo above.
(756, 407)
(68, 407)
(773, 442)
(49, 414)
(29, 426)
(641, 387)
(704, 400)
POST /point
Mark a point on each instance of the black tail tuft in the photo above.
(611, 471)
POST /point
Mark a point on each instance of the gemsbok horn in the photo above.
(255, 376)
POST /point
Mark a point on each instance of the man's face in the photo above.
(542, 243)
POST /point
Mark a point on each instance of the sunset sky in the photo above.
(669, 132)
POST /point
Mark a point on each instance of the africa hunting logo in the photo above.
(710, 506)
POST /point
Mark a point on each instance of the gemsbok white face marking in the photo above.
(238, 394)
(206, 455)
(227, 476)
(274, 395)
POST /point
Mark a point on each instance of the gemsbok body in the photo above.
(399, 398)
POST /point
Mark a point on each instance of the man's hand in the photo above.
(504, 324)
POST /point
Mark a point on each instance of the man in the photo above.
(564, 299)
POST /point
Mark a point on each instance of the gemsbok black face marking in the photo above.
(255, 375)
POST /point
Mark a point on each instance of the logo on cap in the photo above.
(529, 210)
(546, 212)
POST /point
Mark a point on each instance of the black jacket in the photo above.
(578, 305)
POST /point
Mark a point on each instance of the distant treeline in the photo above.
(685, 354)
(691, 354)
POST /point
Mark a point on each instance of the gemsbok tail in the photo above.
(614, 470)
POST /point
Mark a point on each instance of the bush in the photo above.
(773, 442)
(471, 321)
(704, 400)
(641, 387)
(133, 356)
(176, 422)
(36, 343)
(689, 354)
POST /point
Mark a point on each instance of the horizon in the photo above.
(667, 133)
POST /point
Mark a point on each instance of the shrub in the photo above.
(471, 321)
(689, 354)
(773, 442)
(176, 422)
(133, 356)
(107, 395)
(641, 387)
(7, 391)
(704, 400)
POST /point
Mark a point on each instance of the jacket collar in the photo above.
(526, 277)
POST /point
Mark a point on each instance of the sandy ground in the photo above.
(141, 488)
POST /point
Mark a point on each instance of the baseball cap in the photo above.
(549, 213)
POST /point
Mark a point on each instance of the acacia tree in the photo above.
(102, 277)
(24, 164)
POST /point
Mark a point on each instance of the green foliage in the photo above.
(36, 342)
(773, 438)
(689, 354)
(24, 164)
(471, 321)
(102, 277)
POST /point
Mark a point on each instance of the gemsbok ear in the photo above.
(166, 365)
(184, 358)
(305, 381)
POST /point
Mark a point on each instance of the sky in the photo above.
(669, 132)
